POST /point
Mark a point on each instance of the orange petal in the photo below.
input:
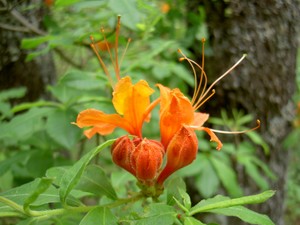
(176, 110)
(213, 137)
(200, 119)
(102, 123)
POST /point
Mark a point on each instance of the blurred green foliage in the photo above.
(37, 139)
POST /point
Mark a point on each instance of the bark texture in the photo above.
(18, 21)
(264, 83)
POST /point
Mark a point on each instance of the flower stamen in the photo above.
(96, 51)
(199, 99)
(237, 132)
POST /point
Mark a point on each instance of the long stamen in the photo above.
(237, 132)
(123, 55)
(197, 84)
(200, 103)
(117, 68)
(96, 51)
(108, 49)
(202, 69)
(226, 73)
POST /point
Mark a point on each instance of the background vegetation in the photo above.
(37, 137)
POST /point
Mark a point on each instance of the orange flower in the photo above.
(178, 120)
(132, 103)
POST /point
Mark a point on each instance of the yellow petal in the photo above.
(122, 92)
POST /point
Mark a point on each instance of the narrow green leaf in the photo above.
(227, 176)
(99, 215)
(94, 180)
(244, 214)
(192, 221)
(28, 105)
(29, 43)
(42, 186)
(12, 93)
(225, 202)
(73, 174)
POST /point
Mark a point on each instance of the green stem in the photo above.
(12, 204)
(45, 214)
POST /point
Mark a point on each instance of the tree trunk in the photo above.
(17, 23)
(265, 82)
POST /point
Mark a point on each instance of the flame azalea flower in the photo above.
(179, 120)
(131, 101)
(139, 156)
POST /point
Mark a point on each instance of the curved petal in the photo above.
(213, 137)
(102, 123)
(132, 102)
(200, 119)
(176, 110)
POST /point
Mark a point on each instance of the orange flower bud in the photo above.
(181, 151)
(146, 160)
(121, 151)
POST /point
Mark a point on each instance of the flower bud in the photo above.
(121, 150)
(146, 160)
(181, 151)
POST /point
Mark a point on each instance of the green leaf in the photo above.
(225, 202)
(227, 176)
(38, 162)
(208, 181)
(158, 213)
(6, 164)
(192, 221)
(24, 125)
(61, 130)
(255, 174)
(173, 187)
(56, 173)
(42, 186)
(65, 2)
(73, 174)
(21, 193)
(12, 93)
(94, 180)
(28, 105)
(245, 214)
(29, 43)
(257, 139)
(128, 10)
(81, 80)
(99, 215)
